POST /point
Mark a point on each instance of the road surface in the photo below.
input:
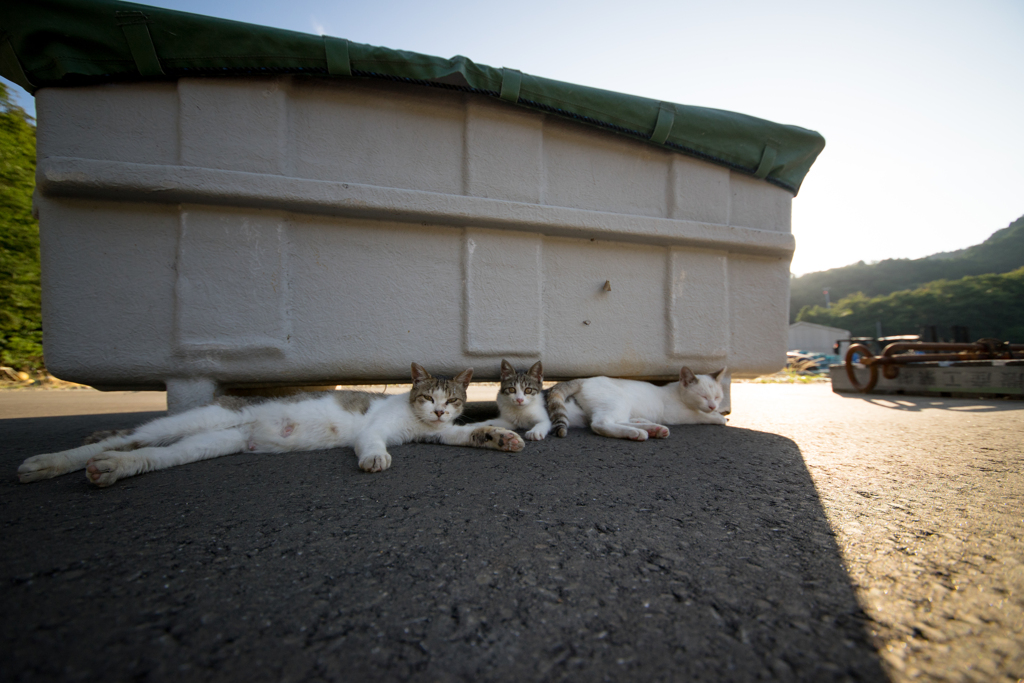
(817, 537)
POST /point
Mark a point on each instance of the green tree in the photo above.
(21, 327)
(988, 305)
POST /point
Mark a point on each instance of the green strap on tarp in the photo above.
(140, 42)
(511, 82)
(72, 43)
(663, 126)
(767, 162)
(338, 62)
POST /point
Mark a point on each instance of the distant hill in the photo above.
(1000, 253)
(988, 305)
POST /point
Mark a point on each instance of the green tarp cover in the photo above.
(55, 43)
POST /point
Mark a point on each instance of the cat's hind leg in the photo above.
(653, 429)
(109, 466)
(161, 431)
(166, 430)
(48, 465)
(617, 430)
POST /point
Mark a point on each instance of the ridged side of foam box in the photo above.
(217, 233)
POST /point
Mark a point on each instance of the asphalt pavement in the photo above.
(817, 537)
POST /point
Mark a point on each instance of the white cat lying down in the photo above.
(367, 422)
(629, 409)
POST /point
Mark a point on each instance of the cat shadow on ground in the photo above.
(706, 555)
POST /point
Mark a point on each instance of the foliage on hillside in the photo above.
(1000, 253)
(989, 305)
(21, 332)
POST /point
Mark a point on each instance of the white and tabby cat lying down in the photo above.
(629, 409)
(367, 422)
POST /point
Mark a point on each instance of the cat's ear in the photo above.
(717, 376)
(464, 377)
(507, 371)
(418, 373)
(686, 377)
(536, 371)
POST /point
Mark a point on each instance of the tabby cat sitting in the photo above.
(521, 401)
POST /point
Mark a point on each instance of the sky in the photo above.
(920, 103)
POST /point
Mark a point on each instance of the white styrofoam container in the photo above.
(263, 232)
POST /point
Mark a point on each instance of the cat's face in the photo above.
(520, 389)
(701, 392)
(438, 400)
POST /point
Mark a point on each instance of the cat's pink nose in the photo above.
(439, 413)
(519, 401)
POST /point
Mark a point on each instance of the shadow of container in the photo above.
(704, 556)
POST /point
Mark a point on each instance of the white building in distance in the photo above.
(804, 336)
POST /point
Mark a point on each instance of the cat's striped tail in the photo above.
(556, 398)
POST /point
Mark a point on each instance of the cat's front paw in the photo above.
(44, 466)
(536, 434)
(510, 441)
(375, 463)
(498, 439)
(718, 419)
